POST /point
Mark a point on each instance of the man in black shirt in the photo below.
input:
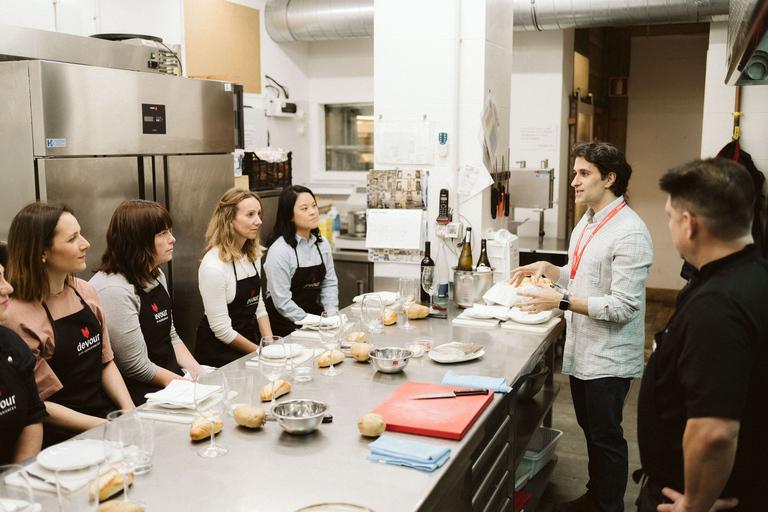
(705, 387)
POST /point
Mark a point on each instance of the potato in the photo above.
(356, 337)
(360, 351)
(418, 311)
(249, 416)
(371, 425)
(325, 358)
(390, 317)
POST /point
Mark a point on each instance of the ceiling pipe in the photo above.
(318, 20)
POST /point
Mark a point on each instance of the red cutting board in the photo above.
(437, 417)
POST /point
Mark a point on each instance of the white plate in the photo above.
(72, 454)
(275, 352)
(450, 358)
(524, 318)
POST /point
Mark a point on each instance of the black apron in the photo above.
(14, 403)
(242, 312)
(305, 292)
(155, 321)
(77, 364)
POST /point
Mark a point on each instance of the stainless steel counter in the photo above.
(269, 470)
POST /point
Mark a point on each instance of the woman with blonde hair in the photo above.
(61, 319)
(133, 290)
(235, 317)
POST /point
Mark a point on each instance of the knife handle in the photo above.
(462, 392)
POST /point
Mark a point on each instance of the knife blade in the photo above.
(453, 394)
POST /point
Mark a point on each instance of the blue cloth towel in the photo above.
(476, 382)
(425, 457)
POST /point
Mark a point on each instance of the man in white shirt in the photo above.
(610, 256)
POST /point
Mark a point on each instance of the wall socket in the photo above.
(453, 230)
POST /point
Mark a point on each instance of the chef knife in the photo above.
(454, 394)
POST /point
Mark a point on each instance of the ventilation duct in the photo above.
(318, 20)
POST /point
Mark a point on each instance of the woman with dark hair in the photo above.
(229, 280)
(21, 411)
(299, 267)
(60, 318)
(133, 291)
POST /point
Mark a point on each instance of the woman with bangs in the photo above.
(235, 318)
(133, 292)
(61, 319)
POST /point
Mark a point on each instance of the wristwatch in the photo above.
(565, 303)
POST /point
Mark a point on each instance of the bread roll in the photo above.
(110, 483)
(249, 416)
(120, 506)
(390, 317)
(356, 337)
(325, 358)
(201, 429)
(418, 311)
(360, 351)
(281, 388)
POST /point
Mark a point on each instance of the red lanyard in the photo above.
(576, 254)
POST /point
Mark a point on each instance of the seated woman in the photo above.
(133, 292)
(299, 267)
(229, 280)
(21, 411)
(60, 318)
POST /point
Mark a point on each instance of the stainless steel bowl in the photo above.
(300, 416)
(470, 286)
(390, 359)
(534, 382)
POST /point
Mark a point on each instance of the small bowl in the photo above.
(390, 359)
(299, 416)
(534, 382)
(425, 341)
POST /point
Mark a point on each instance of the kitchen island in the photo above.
(270, 470)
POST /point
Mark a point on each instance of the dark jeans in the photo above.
(598, 404)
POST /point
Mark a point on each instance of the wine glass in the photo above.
(371, 311)
(406, 293)
(23, 490)
(429, 282)
(123, 437)
(330, 336)
(211, 398)
(272, 360)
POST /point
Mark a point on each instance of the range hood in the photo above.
(747, 43)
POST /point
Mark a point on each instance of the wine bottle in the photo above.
(442, 273)
(465, 258)
(426, 262)
(483, 263)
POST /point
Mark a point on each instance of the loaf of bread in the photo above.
(201, 428)
(356, 337)
(390, 317)
(110, 483)
(325, 358)
(249, 416)
(120, 506)
(418, 311)
(281, 388)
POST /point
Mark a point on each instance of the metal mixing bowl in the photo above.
(534, 382)
(299, 416)
(390, 359)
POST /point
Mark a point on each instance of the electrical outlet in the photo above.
(440, 230)
(453, 230)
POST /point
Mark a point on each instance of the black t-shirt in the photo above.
(711, 362)
(17, 377)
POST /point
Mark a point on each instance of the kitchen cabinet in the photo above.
(355, 275)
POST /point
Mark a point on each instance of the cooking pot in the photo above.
(470, 286)
(356, 223)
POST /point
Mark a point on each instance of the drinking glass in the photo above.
(240, 386)
(371, 312)
(212, 406)
(21, 493)
(429, 282)
(330, 336)
(406, 293)
(272, 360)
(78, 489)
(123, 440)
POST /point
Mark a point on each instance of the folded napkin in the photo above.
(157, 413)
(302, 357)
(305, 334)
(488, 312)
(208, 369)
(537, 328)
(465, 319)
(9, 504)
(387, 298)
(425, 457)
(524, 317)
(476, 382)
(179, 393)
(314, 320)
(46, 479)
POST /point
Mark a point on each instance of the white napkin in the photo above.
(180, 393)
(208, 369)
(314, 320)
(465, 319)
(305, 334)
(387, 298)
(537, 328)
(483, 311)
(12, 505)
(48, 482)
(523, 317)
(505, 294)
(157, 413)
(302, 357)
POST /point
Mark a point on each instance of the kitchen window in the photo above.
(349, 137)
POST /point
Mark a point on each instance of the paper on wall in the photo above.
(473, 179)
(393, 229)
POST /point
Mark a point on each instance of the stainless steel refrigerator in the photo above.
(93, 137)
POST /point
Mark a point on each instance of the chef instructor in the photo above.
(610, 256)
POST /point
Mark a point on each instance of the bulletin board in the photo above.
(221, 42)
